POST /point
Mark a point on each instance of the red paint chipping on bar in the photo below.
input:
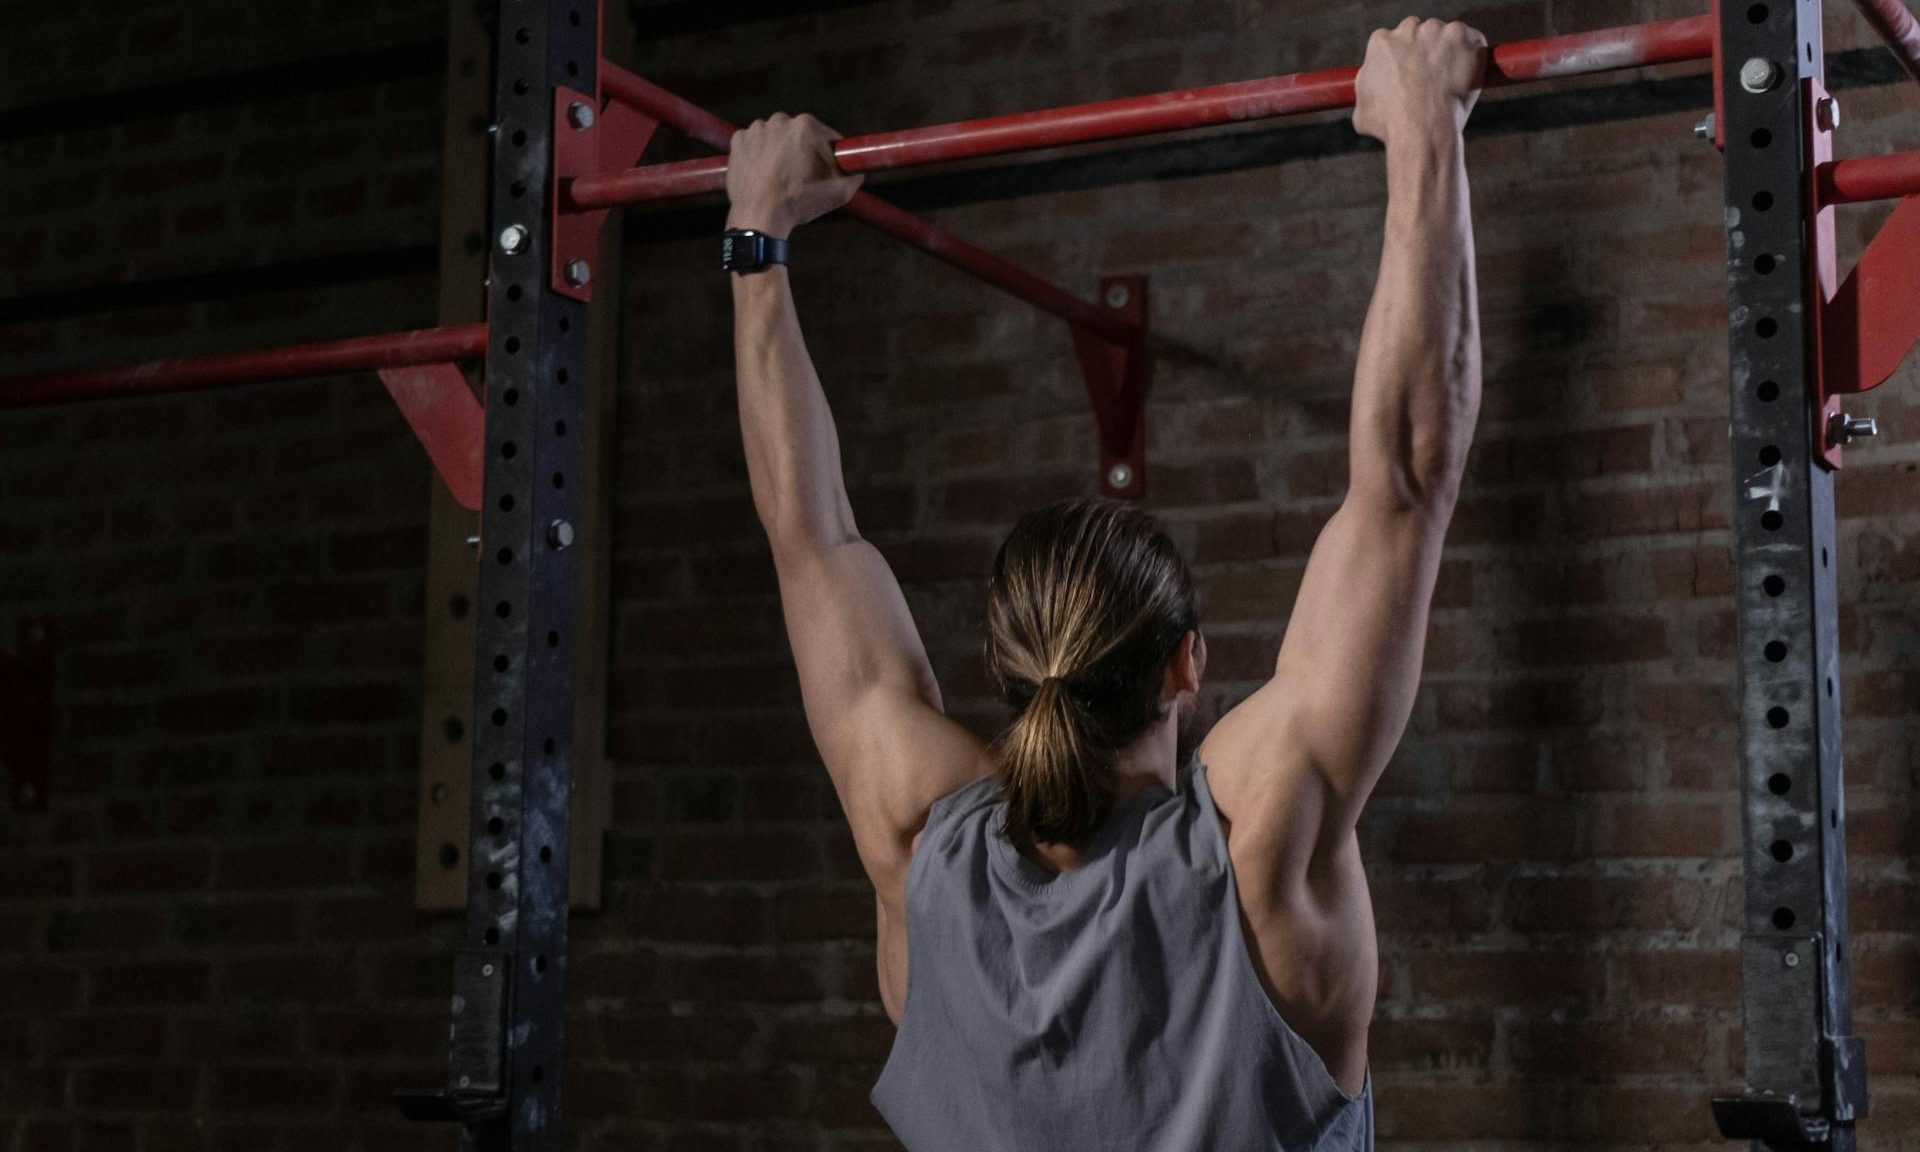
(1522, 62)
(1871, 178)
(923, 234)
(1896, 24)
(426, 346)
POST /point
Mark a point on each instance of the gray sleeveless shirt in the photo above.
(1113, 1007)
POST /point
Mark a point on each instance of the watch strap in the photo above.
(748, 250)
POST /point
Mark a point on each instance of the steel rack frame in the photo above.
(569, 126)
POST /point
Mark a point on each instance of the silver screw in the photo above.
(579, 273)
(466, 1081)
(513, 239)
(1844, 429)
(1706, 128)
(473, 541)
(1759, 75)
(486, 969)
(559, 535)
(1119, 476)
(580, 115)
(1826, 113)
(1117, 296)
(1791, 959)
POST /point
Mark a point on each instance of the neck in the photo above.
(1154, 757)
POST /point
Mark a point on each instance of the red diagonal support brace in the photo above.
(1873, 321)
(449, 422)
(1108, 341)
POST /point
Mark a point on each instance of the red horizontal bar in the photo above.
(923, 234)
(1522, 62)
(1896, 24)
(189, 374)
(1870, 178)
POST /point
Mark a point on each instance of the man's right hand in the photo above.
(1423, 75)
(781, 174)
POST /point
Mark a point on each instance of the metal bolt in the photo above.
(1791, 959)
(1759, 75)
(1844, 429)
(1119, 476)
(473, 541)
(580, 115)
(579, 273)
(1117, 296)
(486, 969)
(513, 239)
(466, 1081)
(1826, 113)
(559, 535)
(1706, 128)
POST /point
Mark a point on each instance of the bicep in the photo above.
(871, 701)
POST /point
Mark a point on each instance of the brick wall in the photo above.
(209, 941)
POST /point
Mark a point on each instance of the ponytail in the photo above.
(1089, 600)
(1057, 784)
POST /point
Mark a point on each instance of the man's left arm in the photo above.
(868, 690)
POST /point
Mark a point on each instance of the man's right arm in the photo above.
(1300, 757)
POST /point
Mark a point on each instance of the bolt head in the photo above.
(559, 535)
(513, 239)
(1117, 295)
(579, 273)
(466, 1081)
(1791, 959)
(1119, 476)
(1759, 75)
(473, 541)
(1826, 113)
(486, 969)
(1706, 128)
(580, 116)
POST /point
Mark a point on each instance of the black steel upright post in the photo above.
(508, 1007)
(1805, 1074)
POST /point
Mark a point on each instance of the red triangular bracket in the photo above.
(589, 138)
(1118, 377)
(1873, 321)
(450, 424)
(26, 717)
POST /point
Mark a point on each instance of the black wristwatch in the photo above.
(746, 250)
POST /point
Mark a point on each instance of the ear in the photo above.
(1185, 668)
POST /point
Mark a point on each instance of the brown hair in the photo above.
(1089, 600)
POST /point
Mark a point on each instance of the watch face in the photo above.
(739, 250)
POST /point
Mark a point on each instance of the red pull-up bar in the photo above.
(1521, 62)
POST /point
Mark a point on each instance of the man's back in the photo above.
(1113, 1006)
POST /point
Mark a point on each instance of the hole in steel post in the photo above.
(573, 68)
(1776, 651)
(566, 325)
(499, 719)
(1768, 391)
(546, 854)
(1762, 201)
(1783, 918)
(493, 879)
(509, 449)
(559, 427)
(496, 825)
(449, 856)
(1757, 14)
(1769, 455)
(1833, 817)
(517, 189)
(501, 663)
(511, 396)
(1767, 328)
(505, 555)
(454, 729)
(573, 18)
(1772, 521)
(1829, 687)
(506, 502)
(539, 963)
(560, 377)
(1761, 137)
(1773, 585)
(458, 607)
(491, 936)
(559, 480)
(497, 771)
(539, 1074)
(1782, 851)
(1779, 783)
(519, 138)
(503, 609)
(1778, 717)
(547, 747)
(512, 345)
(1765, 263)
(520, 88)
(1823, 557)
(553, 639)
(521, 36)
(514, 292)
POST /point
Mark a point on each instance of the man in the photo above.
(1111, 943)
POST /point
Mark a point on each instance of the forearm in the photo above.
(792, 447)
(1417, 388)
